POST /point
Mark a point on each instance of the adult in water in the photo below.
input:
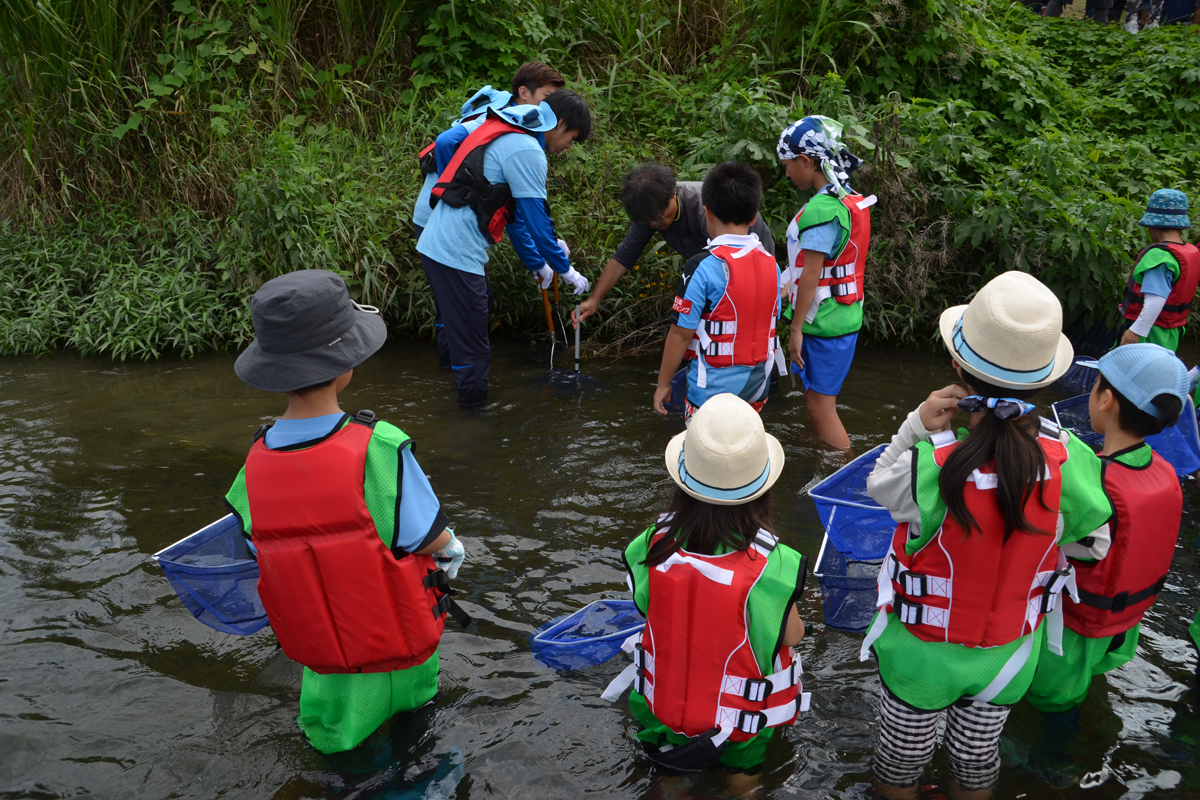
(657, 203)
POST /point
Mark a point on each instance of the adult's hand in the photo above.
(941, 407)
(586, 309)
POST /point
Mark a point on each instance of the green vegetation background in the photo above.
(159, 160)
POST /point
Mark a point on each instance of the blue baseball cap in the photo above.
(1168, 208)
(1141, 372)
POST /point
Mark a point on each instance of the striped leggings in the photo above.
(907, 737)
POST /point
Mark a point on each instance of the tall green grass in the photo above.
(158, 149)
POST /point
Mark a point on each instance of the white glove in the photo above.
(451, 557)
(544, 276)
(578, 281)
(563, 246)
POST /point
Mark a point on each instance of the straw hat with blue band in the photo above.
(725, 457)
(1168, 208)
(1010, 334)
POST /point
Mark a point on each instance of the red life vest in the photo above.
(1179, 302)
(427, 158)
(740, 330)
(978, 590)
(463, 184)
(1118, 589)
(694, 663)
(338, 599)
(844, 273)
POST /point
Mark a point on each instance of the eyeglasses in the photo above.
(660, 218)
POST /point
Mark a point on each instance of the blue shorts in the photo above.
(826, 362)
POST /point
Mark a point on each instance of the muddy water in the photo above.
(108, 687)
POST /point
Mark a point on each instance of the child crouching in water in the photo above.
(975, 563)
(714, 673)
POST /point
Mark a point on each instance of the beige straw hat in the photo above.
(1010, 334)
(725, 457)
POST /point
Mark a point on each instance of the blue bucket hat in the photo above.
(485, 98)
(535, 119)
(1141, 372)
(1168, 208)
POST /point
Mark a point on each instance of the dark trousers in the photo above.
(439, 328)
(463, 302)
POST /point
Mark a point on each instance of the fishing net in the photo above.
(848, 589)
(590, 636)
(858, 527)
(1178, 444)
(216, 577)
(1078, 378)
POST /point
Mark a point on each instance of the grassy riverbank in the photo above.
(160, 160)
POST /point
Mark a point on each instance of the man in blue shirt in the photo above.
(454, 251)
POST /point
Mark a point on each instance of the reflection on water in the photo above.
(110, 688)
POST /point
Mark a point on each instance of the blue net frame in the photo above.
(1178, 444)
(858, 527)
(215, 575)
(589, 636)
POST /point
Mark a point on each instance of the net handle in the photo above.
(155, 557)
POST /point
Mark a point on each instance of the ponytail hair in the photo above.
(702, 526)
(1020, 463)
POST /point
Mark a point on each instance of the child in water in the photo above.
(1140, 391)
(1159, 294)
(827, 246)
(975, 563)
(714, 673)
(348, 531)
(725, 310)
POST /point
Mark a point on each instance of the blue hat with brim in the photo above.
(1168, 208)
(485, 98)
(1141, 372)
(535, 119)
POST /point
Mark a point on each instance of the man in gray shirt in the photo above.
(656, 202)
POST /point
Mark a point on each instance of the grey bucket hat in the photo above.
(307, 331)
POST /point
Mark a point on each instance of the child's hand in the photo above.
(795, 349)
(451, 557)
(941, 407)
(1129, 337)
(662, 395)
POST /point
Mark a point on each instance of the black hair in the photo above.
(1019, 462)
(1132, 419)
(732, 191)
(704, 526)
(310, 389)
(647, 190)
(571, 108)
(533, 75)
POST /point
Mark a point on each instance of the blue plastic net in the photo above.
(857, 526)
(216, 577)
(1078, 378)
(848, 589)
(590, 636)
(1178, 444)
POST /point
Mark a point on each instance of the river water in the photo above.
(109, 688)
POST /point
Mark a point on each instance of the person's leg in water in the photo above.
(1054, 8)
(826, 364)
(1100, 11)
(905, 744)
(973, 748)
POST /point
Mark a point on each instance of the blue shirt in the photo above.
(444, 148)
(702, 285)
(1158, 281)
(452, 235)
(419, 506)
(823, 239)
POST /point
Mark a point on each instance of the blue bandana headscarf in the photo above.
(820, 138)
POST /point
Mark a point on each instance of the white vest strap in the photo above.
(711, 571)
(758, 689)
(620, 683)
(1009, 671)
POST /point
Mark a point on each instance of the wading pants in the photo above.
(439, 328)
(462, 300)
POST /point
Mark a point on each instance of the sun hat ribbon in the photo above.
(977, 361)
(1002, 407)
(722, 494)
(820, 138)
